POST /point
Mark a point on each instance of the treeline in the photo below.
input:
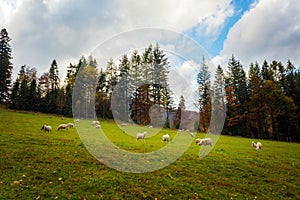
(137, 83)
(263, 102)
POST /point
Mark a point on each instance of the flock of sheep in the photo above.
(48, 128)
(199, 142)
(166, 137)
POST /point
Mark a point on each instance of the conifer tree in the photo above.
(5, 66)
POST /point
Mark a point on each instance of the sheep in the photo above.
(77, 120)
(192, 135)
(97, 126)
(141, 136)
(257, 146)
(94, 123)
(70, 125)
(46, 128)
(205, 141)
(63, 126)
(166, 138)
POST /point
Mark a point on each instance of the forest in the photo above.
(262, 102)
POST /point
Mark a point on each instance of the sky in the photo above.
(252, 30)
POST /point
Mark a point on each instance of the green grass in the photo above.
(57, 165)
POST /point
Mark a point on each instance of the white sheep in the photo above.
(63, 126)
(192, 135)
(205, 141)
(94, 123)
(70, 125)
(166, 138)
(97, 126)
(46, 128)
(257, 146)
(77, 120)
(141, 136)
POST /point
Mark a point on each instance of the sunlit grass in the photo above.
(57, 165)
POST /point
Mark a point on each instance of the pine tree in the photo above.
(277, 72)
(178, 113)
(122, 91)
(203, 80)
(159, 74)
(54, 76)
(72, 71)
(237, 79)
(266, 72)
(182, 103)
(290, 80)
(255, 113)
(5, 66)
(14, 95)
(218, 102)
(232, 116)
(102, 102)
(203, 97)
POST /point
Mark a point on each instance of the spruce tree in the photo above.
(5, 66)
(203, 81)
(54, 75)
(203, 96)
(218, 102)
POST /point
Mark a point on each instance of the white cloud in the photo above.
(60, 29)
(270, 30)
(210, 27)
(183, 82)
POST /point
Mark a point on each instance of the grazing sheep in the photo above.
(70, 125)
(46, 128)
(94, 123)
(205, 141)
(141, 136)
(257, 146)
(124, 124)
(192, 135)
(77, 120)
(166, 138)
(97, 126)
(63, 126)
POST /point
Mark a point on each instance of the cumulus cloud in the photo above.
(62, 29)
(270, 30)
(209, 28)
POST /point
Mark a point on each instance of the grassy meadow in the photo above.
(39, 165)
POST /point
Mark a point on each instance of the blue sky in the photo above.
(214, 47)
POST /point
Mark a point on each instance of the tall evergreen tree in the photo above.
(5, 66)
(203, 81)
(122, 90)
(203, 101)
(182, 103)
(159, 74)
(237, 79)
(14, 95)
(290, 80)
(72, 71)
(54, 75)
(266, 71)
(218, 101)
